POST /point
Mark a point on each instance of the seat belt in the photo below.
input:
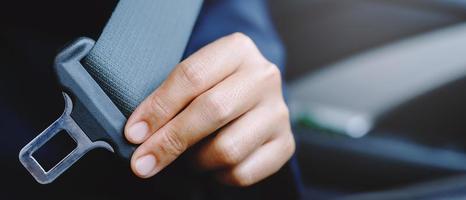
(104, 81)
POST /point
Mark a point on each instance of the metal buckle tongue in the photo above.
(90, 116)
(64, 123)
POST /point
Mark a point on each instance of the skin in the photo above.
(226, 95)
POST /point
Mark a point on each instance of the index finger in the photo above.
(198, 73)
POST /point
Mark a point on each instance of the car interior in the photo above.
(376, 98)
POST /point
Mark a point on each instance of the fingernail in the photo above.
(145, 165)
(138, 131)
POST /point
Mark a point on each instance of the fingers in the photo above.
(239, 149)
(189, 79)
(227, 86)
(242, 137)
(207, 113)
(264, 162)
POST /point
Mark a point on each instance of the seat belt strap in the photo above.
(141, 43)
(104, 81)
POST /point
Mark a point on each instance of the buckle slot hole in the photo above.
(54, 150)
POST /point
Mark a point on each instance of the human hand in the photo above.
(228, 89)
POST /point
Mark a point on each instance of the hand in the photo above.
(228, 89)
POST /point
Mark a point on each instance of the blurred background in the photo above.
(376, 90)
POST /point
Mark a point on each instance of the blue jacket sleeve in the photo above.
(251, 17)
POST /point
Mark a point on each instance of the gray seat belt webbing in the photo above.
(136, 50)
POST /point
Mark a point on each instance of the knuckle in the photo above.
(283, 112)
(242, 178)
(288, 142)
(242, 39)
(216, 109)
(159, 107)
(227, 152)
(291, 145)
(191, 75)
(172, 144)
(272, 73)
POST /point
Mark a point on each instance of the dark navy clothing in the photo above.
(32, 33)
(220, 18)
